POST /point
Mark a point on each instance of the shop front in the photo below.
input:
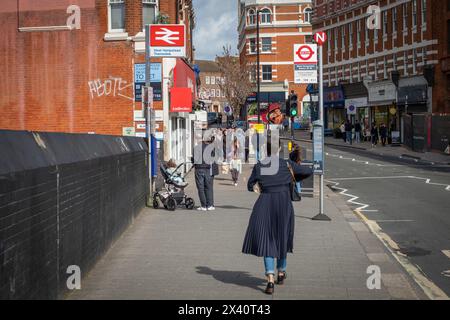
(382, 103)
(334, 105)
(182, 100)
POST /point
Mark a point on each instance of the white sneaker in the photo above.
(211, 209)
(201, 209)
(235, 184)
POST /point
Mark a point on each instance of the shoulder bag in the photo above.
(295, 195)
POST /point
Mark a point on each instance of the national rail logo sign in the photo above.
(167, 40)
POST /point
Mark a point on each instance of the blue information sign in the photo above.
(155, 80)
(318, 149)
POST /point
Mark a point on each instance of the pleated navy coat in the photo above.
(270, 232)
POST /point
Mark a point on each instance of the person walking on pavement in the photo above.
(383, 134)
(205, 170)
(296, 156)
(374, 135)
(235, 163)
(270, 232)
(358, 130)
(344, 137)
(348, 132)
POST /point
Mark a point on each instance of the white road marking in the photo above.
(446, 273)
(428, 286)
(446, 252)
(385, 221)
(427, 180)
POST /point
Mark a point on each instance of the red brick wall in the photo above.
(69, 81)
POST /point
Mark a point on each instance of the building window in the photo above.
(424, 56)
(343, 38)
(366, 37)
(385, 66)
(253, 45)
(414, 13)
(117, 15)
(251, 17)
(218, 80)
(266, 16)
(405, 17)
(350, 34)
(336, 36)
(385, 23)
(267, 73)
(424, 13)
(359, 71)
(394, 61)
(405, 63)
(213, 80)
(207, 80)
(375, 36)
(308, 15)
(394, 20)
(218, 93)
(266, 45)
(148, 11)
(213, 93)
(414, 61)
(358, 33)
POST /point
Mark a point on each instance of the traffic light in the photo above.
(293, 104)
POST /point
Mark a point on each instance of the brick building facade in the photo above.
(69, 66)
(368, 48)
(283, 23)
(209, 90)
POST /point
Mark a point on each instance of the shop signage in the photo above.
(181, 100)
(384, 92)
(168, 40)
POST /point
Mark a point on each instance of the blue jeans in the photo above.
(298, 186)
(269, 264)
(349, 136)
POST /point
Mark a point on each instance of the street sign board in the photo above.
(305, 63)
(140, 80)
(305, 54)
(320, 38)
(318, 149)
(167, 40)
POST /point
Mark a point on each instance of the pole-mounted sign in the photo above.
(167, 40)
(320, 38)
(305, 63)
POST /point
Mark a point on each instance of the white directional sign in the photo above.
(305, 63)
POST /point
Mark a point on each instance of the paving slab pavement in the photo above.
(190, 255)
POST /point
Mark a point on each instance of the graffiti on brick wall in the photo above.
(113, 86)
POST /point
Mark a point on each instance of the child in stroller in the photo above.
(172, 194)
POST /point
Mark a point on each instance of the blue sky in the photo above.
(216, 26)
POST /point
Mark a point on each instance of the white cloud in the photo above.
(216, 26)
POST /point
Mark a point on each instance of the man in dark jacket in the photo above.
(205, 170)
(358, 130)
(348, 132)
(383, 134)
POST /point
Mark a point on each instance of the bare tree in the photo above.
(236, 84)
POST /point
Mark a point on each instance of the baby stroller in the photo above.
(172, 195)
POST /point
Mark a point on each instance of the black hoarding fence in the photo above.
(64, 200)
(416, 131)
(440, 132)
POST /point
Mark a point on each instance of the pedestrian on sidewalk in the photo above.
(374, 135)
(348, 132)
(296, 156)
(270, 232)
(235, 163)
(383, 134)
(358, 130)
(205, 170)
(344, 137)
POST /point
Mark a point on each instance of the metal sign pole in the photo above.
(321, 216)
(148, 113)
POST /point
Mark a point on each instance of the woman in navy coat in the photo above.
(270, 233)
